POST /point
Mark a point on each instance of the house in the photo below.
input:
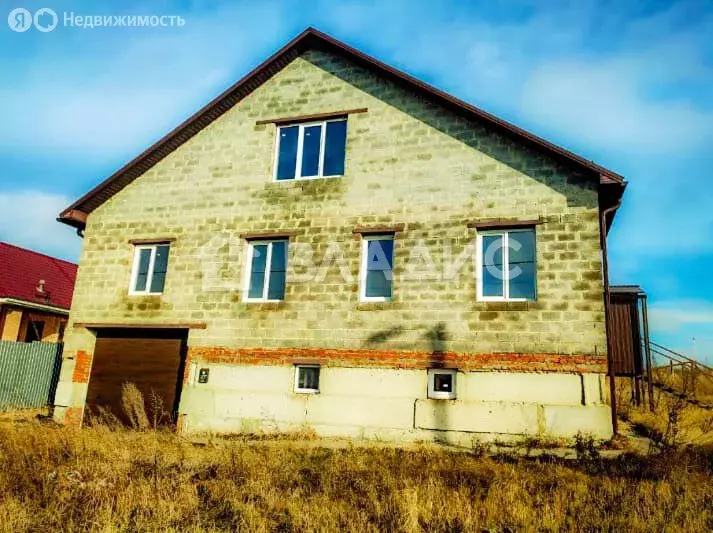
(35, 295)
(334, 244)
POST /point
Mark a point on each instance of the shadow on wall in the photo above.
(484, 138)
(382, 337)
(436, 337)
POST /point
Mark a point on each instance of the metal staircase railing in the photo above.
(691, 368)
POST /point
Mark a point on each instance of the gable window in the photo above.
(377, 275)
(307, 379)
(267, 270)
(506, 266)
(442, 384)
(148, 275)
(311, 150)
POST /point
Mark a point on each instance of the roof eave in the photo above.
(20, 302)
(611, 194)
(73, 217)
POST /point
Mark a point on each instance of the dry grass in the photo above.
(102, 479)
(697, 384)
(675, 420)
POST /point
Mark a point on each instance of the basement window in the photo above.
(267, 271)
(311, 150)
(506, 266)
(148, 275)
(307, 379)
(442, 384)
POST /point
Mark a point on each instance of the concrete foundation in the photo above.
(392, 404)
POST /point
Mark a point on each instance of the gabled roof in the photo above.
(76, 214)
(21, 271)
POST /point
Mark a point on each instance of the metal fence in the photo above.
(28, 373)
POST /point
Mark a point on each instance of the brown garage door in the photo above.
(151, 360)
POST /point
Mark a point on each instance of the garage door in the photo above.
(151, 360)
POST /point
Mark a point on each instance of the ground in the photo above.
(683, 409)
(100, 478)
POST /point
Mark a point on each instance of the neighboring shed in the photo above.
(631, 356)
(35, 295)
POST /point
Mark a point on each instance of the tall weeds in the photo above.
(115, 479)
(675, 421)
(132, 403)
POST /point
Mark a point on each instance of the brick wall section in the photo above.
(187, 367)
(73, 417)
(180, 423)
(403, 360)
(408, 162)
(82, 367)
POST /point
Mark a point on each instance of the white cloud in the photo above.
(672, 315)
(685, 326)
(121, 92)
(603, 104)
(30, 221)
(630, 90)
(95, 117)
(131, 91)
(550, 72)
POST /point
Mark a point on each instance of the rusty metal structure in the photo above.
(629, 339)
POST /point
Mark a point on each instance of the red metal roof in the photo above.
(21, 271)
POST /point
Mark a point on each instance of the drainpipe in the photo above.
(607, 306)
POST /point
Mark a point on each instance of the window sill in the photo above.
(504, 300)
(306, 391)
(310, 178)
(376, 299)
(309, 185)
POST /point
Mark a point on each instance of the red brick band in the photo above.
(82, 367)
(525, 362)
(73, 417)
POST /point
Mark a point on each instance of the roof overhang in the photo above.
(73, 217)
(610, 195)
(76, 214)
(16, 302)
(627, 289)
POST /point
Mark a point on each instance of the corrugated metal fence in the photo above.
(28, 373)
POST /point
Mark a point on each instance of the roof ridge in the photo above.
(76, 214)
(34, 252)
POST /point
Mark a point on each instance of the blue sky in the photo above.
(627, 84)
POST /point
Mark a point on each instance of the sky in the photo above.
(626, 84)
